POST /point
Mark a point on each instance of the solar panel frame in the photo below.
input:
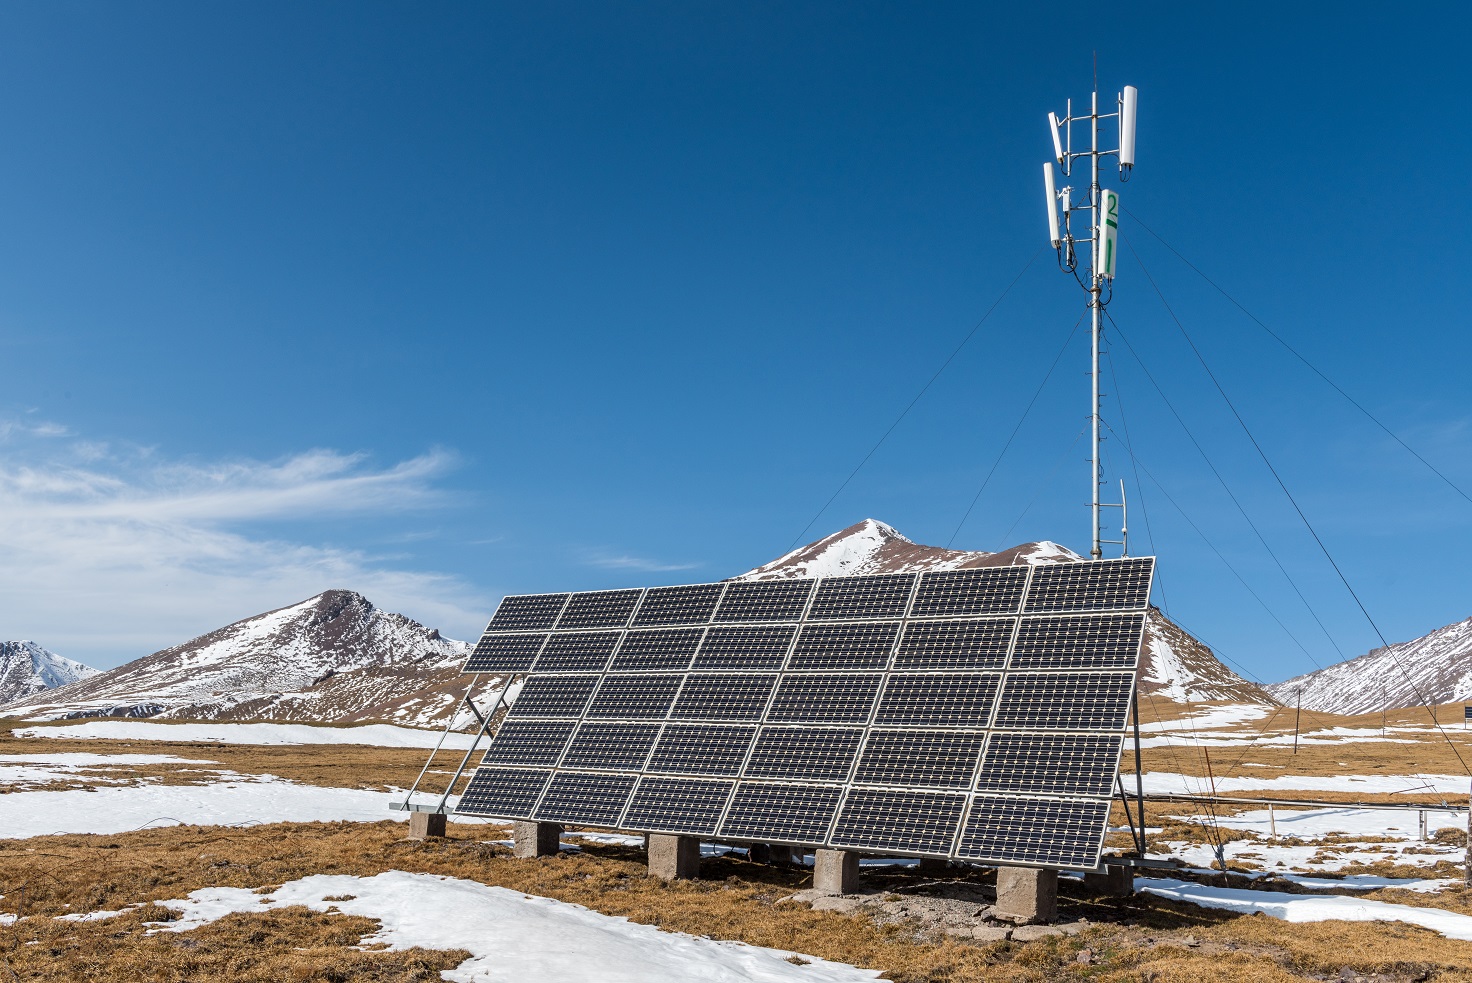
(577, 651)
(505, 652)
(527, 612)
(866, 740)
(600, 608)
(656, 650)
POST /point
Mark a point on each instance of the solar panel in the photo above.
(1050, 764)
(765, 600)
(745, 648)
(724, 696)
(961, 593)
(612, 747)
(938, 699)
(635, 697)
(691, 605)
(678, 805)
(973, 714)
(846, 598)
(599, 609)
(581, 797)
(1079, 641)
(668, 648)
(1114, 585)
(527, 612)
(774, 813)
(860, 646)
(553, 696)
(815, 754)
(503, 792)
(937, 759)
(529, 742)
(955, 644)
(504, 653)
(1006, 830)
(899, 821)
(579, 651)
(701, 749)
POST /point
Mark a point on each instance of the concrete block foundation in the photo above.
(1117, 881)
(1027, 895)
(423, 825)
(531, 840)
(836, 872)
(674, 858)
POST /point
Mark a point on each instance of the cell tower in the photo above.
(1103, 209)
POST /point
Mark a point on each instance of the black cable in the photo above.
(1042, 486)
(1299, 355)
(985, 481)
(1425, 701)
(1227, 488)
(976, 327)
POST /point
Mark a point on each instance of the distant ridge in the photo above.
(27, 668)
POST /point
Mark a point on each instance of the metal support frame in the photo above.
(484, 720)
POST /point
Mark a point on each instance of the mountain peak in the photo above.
(26, 668)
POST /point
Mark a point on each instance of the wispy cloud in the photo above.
(109, 554)
(623, 561)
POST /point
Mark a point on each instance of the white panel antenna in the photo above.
(1127, 105)
(1057, 140)
(1052, 204)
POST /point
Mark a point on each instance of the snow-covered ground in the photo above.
(1169, 783)
(514, 936)
(375, 735)
(1309, 907)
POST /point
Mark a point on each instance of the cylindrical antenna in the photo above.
(1052, 203)
(1057, 143)
(1128, 102)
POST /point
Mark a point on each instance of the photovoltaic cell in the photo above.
(1106, 585)
(937, 759)
(553, 696)
(815, 754)
(1063, 701)
(612, 747)
(1051, 764)
(508, 793)
(846, 598)
(776, 813)
(599, 609)
(955, 644)
(657, 649)
(635, 697)
(678, 805)
(527, 612)
(724, 696)
(902, 821)
(1079, 641)
(950, 699)
(691, 605)
(578, 651)
(1007, 830)
(529, 742)
(860, 646)
(701, 749)
(764, 600)
(824, 698)
(960, 593)
(987, 725)
(745, 648)
(504, 653)
(587, 799)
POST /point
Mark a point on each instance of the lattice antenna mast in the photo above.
(1103, 212)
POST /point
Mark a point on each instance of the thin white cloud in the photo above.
(108, 555)
(622, 561)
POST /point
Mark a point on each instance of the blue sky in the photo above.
(444, 301)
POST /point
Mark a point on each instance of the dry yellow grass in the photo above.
(1135, 940)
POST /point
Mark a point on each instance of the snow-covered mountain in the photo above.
(1435, 668)
(286, 664)
(1174, 664)
(27, 668)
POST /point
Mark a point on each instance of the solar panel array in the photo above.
(972, 714)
